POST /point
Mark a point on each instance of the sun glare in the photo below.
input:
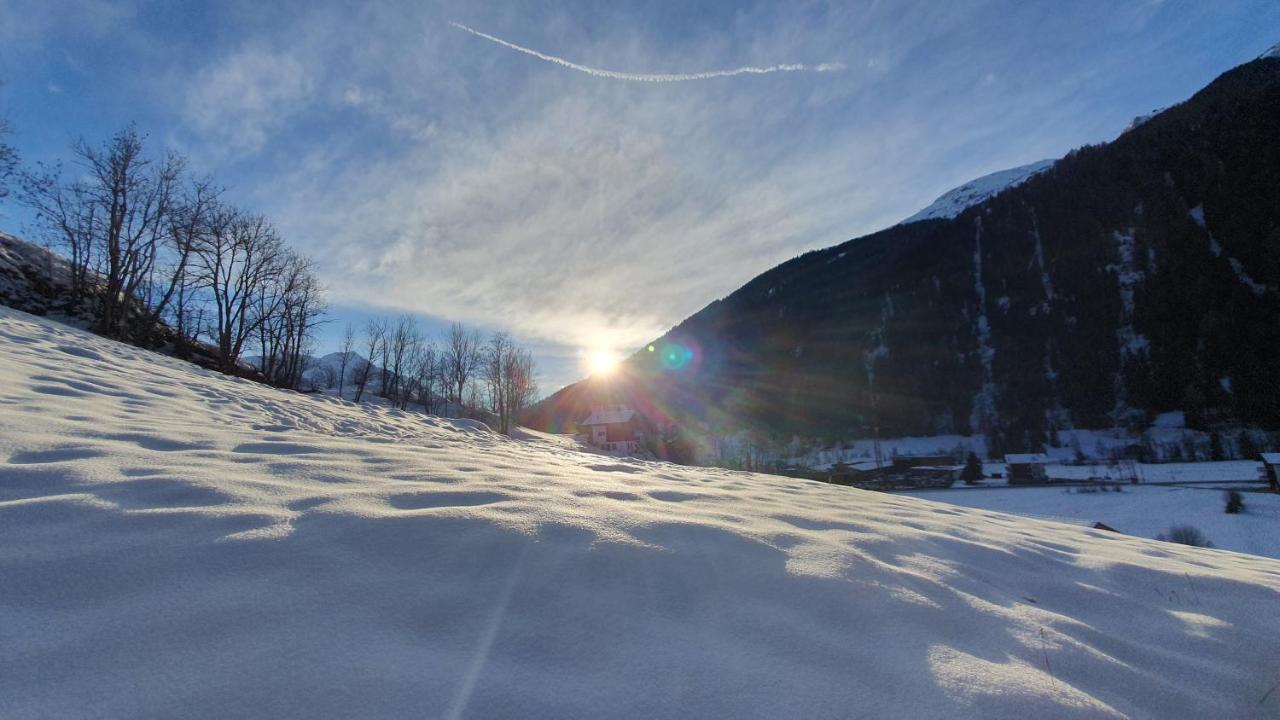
(602, 362)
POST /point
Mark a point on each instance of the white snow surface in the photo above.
(956, 200)
(176, 543)
(1141, 510)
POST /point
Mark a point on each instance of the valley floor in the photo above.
(177, 543)
(1144, 511)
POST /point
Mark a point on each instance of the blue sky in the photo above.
(435, 172)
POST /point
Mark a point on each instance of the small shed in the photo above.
(613, 428)
(1271, 466)
(1027, 468)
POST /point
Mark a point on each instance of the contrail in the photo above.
(651, 77)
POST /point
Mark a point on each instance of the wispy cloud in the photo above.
(240, 100)
(654, 77)
(580, 209)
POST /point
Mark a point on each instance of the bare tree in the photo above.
(8, 159)
(497, 354)
(287, 310)
(374, 337)
(385, 382)
(188, 221)
(521, 386)
(409, 384)
(402, 340)
(344, 353)
(133, 198)
(239, 258)
(425, 372)
(462, 356)
(508, 374)
(67, 220)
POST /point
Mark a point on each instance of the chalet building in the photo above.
(1271, 467)
(614, 428)
(1027, 469)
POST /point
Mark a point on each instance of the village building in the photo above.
(1026, 468)
(906, 462)
(1271, 467)
(918, 471)
(614, 429)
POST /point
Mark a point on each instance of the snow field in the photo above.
(175, 543)
(1142, 511)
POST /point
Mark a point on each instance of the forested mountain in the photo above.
(1127, 279)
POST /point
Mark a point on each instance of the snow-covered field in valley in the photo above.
(1144, 511)
(174, 543)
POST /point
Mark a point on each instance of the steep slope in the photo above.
(177, 543)
(1128, 279)
(36, 280)
(32, 278)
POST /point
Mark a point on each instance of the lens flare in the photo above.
(675, 356)
(602, 363)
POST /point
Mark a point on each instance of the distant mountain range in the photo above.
(1121, 281)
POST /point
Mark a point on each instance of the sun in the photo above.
(602, 363)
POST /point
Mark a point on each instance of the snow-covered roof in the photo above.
(860, 465)
(1027, 459)
(1271, 458)
(609, 415)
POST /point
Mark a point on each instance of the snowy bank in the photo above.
(177, 543)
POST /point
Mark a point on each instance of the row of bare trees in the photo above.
(462, 374)
(151, 245)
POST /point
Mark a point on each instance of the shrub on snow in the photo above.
(1235, 502)
(1186, 535)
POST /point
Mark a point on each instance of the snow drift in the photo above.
(177, 543)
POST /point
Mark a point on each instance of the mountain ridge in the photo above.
(1061, 302)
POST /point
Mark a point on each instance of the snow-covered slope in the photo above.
(176, 543)
(954, 201)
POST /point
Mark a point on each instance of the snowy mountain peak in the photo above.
(1274, 52)
(954, 201)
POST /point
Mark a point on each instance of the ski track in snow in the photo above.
(176, 543)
